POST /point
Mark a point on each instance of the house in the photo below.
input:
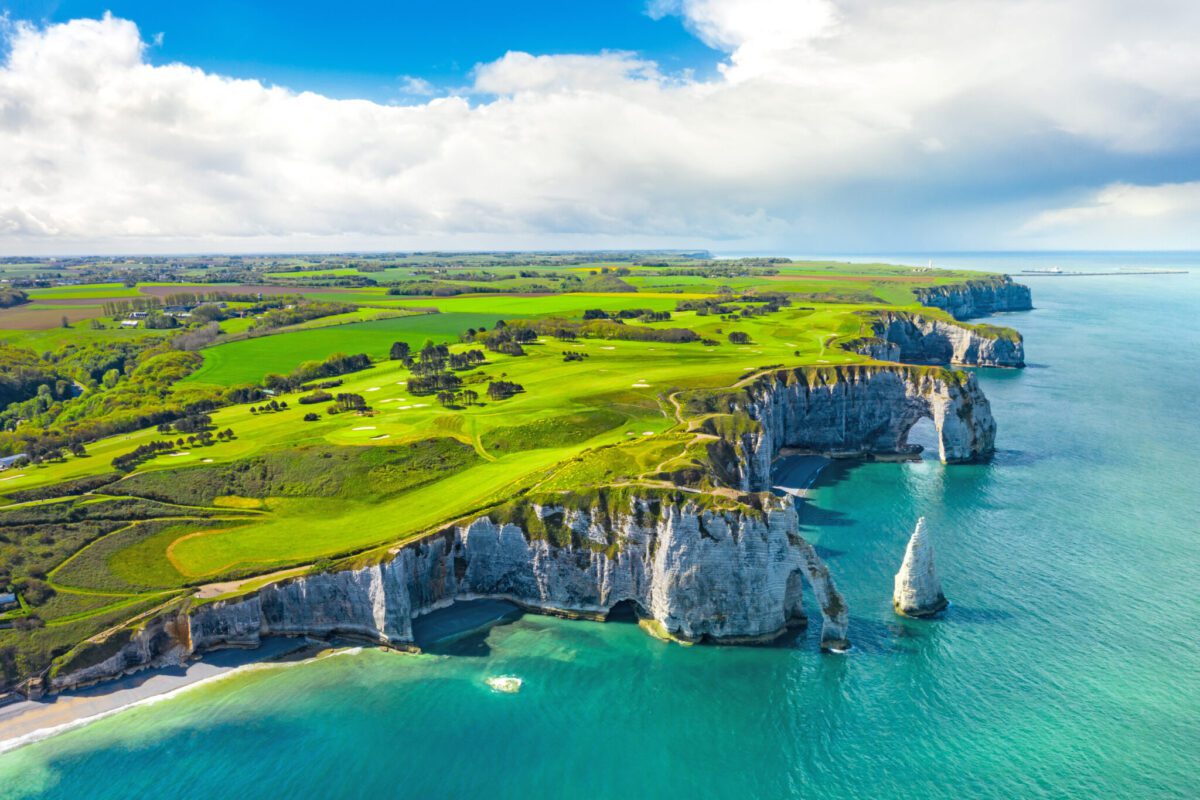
(7, 599)
(8, 462)
(139, 314)
(130, 323)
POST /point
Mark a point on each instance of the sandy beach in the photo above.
(794, 474)
(32, 720)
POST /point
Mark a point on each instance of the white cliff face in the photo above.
(917, 591)
(727, 576)
(978, 298)
(861, 411)
(916, 339)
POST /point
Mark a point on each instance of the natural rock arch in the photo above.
(859, 411)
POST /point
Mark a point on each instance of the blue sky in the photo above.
(360, 49)
(787, 125)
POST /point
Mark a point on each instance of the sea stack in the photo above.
(918, 592)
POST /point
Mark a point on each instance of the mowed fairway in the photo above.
(249, 360)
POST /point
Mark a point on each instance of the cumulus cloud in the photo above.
(829, 124)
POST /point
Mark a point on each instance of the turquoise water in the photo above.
(1068, 665)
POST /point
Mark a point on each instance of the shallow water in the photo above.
(1068, 664)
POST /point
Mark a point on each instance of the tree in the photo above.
(470, 397)
(445, 398)
(66, 323)
(229, 433)
(311, 417)
(739, 337)
(400, 351)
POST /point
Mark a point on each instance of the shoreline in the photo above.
(794, 474)
(28, 721)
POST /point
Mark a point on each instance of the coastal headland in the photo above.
(608, 449)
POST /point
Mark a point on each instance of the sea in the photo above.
(1067, 665)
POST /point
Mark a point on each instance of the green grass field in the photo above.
(249, 360)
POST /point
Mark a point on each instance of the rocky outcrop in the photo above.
(727, 575)
(917, 591)
(919, 339)
(159, 641)
(855, 411)
(978, 298)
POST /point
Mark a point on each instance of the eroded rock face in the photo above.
(918, 591)
(726, 576)
(915, 339)
(978, 298)
(857, 411)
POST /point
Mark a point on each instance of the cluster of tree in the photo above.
(315, 397)
(739, 337)
(433, 383)
(621, 271)
(197, 338)
(507, 339)
(431, 369)
(428, 288)
(502, 390)
(573, 355)
(296, 313)
(530, 330)
(430, 360)
(706, 306)
(642, 314)
(10, 297)
(309, 387)
(140, 454)
(467, 397)
(190, 423)
(336, 364)
(145, 452)
(349, 402)
(121, 308)
(311, 417)
(25, 375)
(340, 281)
(271, 407)
(127, 385)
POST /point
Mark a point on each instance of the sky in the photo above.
(736, 125)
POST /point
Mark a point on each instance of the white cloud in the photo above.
(831, 124)
(413, 86)
(1123, 215)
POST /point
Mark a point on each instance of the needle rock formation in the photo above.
(918, 592)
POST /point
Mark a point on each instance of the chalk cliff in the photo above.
(846, 411)
(917, 591)
(731, 573)
(978, 298)
(921, 339)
